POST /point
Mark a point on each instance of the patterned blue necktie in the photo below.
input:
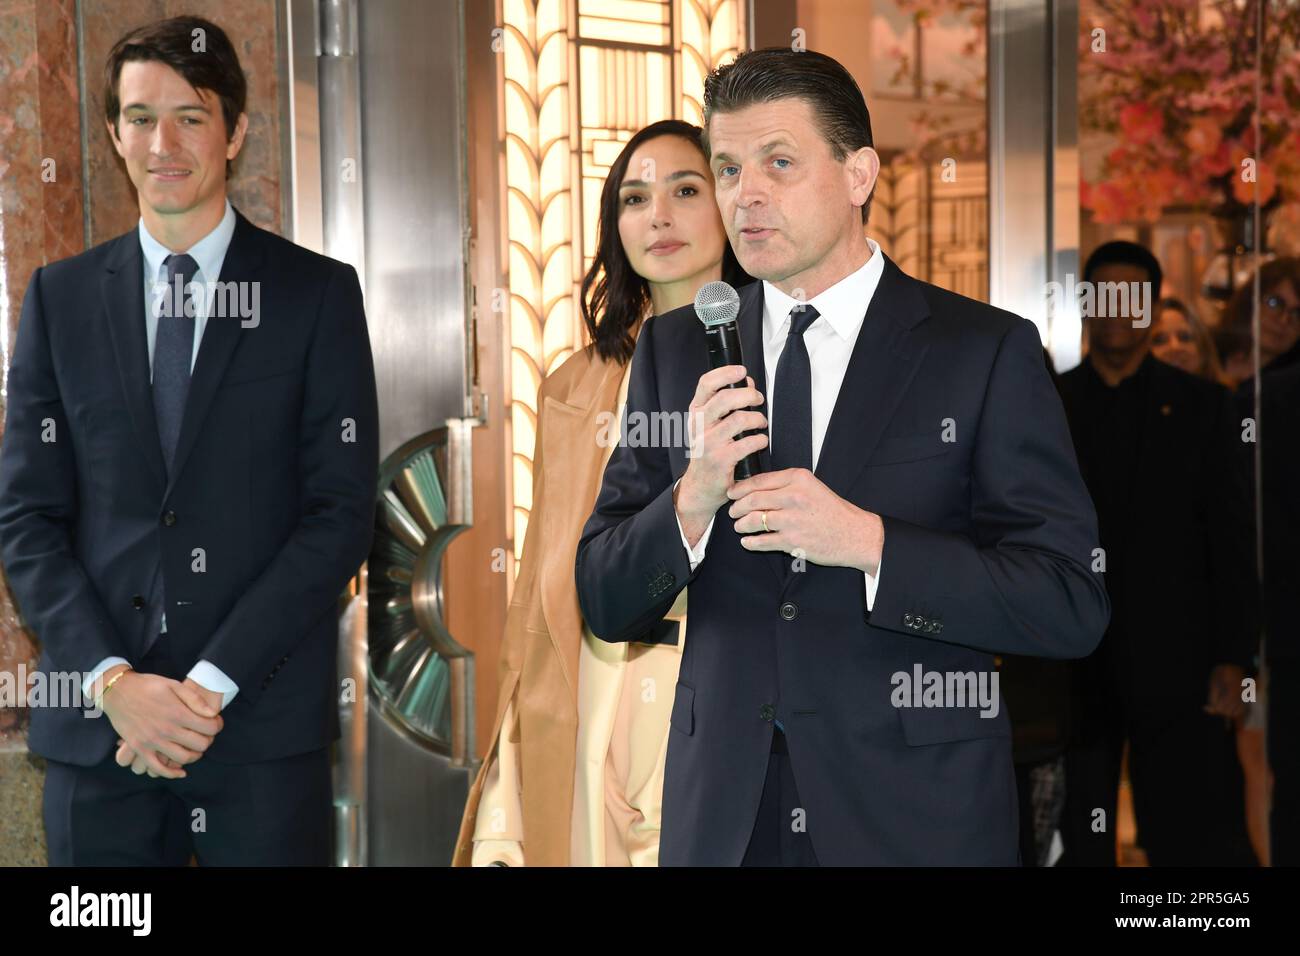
(172, 353)
(792, 415)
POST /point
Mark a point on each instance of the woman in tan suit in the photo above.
(574, 772)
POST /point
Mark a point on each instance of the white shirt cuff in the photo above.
(873, 582)
(696, 554)
(104, 665)
(209, 677)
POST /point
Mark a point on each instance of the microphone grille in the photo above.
(717, 303)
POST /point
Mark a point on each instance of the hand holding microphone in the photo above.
(717, 305)
(725, 434)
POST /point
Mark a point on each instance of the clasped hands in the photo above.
(162, 723)
(789, 510)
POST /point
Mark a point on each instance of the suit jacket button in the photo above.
(938, 626)
(767, 711)
(789, 612)
(137, 602)
(907, 619)
(169, 518)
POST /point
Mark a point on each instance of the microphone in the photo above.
(717, 304)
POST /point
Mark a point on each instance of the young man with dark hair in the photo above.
(186, 486)
(1162, 454)
(920, 510)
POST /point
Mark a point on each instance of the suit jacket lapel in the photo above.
(885, 358)
(220, 337)
(750, 320)
(123, 294)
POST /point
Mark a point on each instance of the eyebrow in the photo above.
(680, 174)
(767, 148)
(199, 107)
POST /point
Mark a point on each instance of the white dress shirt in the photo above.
(209, 253)
(829, 340)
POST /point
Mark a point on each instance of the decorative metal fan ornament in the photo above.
(418, 671)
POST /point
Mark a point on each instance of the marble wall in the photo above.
(63, 189)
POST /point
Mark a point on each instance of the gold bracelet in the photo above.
(99, 701)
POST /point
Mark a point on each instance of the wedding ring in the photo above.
(765, 527)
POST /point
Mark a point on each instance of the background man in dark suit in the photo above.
(921, 508)
(186, 486)
(1162, 453)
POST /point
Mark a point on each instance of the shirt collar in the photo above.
(209, 252)
(843, 305)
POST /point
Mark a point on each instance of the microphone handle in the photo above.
(724, 349)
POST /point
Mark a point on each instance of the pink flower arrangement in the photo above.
(1176, 85)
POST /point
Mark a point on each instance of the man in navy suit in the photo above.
(920, 511)
(186, 487)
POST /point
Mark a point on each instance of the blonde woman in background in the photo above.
(1182, 340)
(574, 770)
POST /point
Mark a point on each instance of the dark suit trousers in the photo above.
(780, 836)
(1188, 789)
(272, 813)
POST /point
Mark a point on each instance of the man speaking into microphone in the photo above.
(919, 509)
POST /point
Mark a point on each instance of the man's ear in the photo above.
(112, 134)
(863, 168)
(237, 140)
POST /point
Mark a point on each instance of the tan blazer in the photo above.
(544, 628)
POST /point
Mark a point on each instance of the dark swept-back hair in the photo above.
(614, 295)
(778, 73)
(171, 42)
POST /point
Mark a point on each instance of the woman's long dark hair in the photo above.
(614, 296)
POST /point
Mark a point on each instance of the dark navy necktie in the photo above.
(172, 352)
(792, 415)
(173, 349)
